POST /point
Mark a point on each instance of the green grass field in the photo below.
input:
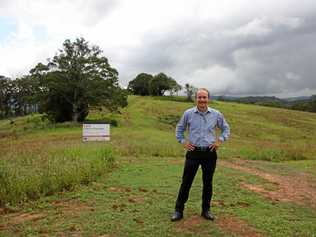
(52, 184)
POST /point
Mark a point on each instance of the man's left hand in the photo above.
(215, 145)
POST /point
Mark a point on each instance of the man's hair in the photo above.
(203, 89)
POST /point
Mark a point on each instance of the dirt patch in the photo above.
(119, 190)
(136, 199)
(142, 190)
(258, 189)
(72, 234)
(190, 224)
(221, 203)
(6, 210)
(177, 162)
(236, 226)
(19, 218)
(64, 207)
(106, 235)
(72, 207)
(298, 189)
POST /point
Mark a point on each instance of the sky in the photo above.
(237, 48)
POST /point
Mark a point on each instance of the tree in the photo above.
(140, 84)
(24, 95)
(146, 84)
(6, 92)
(159, 84)
(75, 79)
(190, 90)
(174, 86)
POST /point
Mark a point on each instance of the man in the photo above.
(201, 147)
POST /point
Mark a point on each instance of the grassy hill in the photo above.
(264, 183)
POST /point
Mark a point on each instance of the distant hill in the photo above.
(304, 103)
(298, 98)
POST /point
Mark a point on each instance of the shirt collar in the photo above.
(196, 110)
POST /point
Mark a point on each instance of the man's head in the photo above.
(202, 97)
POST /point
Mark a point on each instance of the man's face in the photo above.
(202, 99)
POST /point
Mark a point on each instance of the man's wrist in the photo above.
(221, 140)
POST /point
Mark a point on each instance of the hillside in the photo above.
(303, 103)
(52, 184)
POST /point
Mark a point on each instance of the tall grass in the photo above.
(34, 175)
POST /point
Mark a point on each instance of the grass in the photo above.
(30, 176)
(131, 183)
(137, 198)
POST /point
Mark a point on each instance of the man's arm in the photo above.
(225, 132)
(224, 127)
(181, 127)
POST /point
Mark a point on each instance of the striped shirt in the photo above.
(201, 127)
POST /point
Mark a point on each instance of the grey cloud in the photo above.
(96, 10)
(265, 55)
(88, 13)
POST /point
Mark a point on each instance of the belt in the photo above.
(202, 148)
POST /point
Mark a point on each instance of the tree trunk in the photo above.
(75, 114)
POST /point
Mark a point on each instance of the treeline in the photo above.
(145, 84)
(304, 104)
(155, 85)
(77, 78)
(17, 97)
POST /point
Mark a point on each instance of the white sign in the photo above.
(95, 132)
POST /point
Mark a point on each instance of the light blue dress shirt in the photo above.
(201, 127)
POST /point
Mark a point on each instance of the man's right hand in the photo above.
(188, 146)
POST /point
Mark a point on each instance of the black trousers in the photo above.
(207, 160)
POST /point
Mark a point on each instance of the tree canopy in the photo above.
(75, 79)
(157, 85)
(140, 85)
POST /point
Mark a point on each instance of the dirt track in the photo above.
(298, 189)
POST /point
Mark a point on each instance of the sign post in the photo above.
(95, 131)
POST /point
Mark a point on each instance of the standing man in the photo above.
(201, 145)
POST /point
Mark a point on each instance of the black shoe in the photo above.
(208, 215)
(177, 216)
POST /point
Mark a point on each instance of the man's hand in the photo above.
(188, 146)
(215, 145)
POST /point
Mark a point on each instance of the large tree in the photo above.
(78, 77)
(140, 84)
(159, 84)
(146, 84)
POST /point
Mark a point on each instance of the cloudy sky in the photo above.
(240, 47)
